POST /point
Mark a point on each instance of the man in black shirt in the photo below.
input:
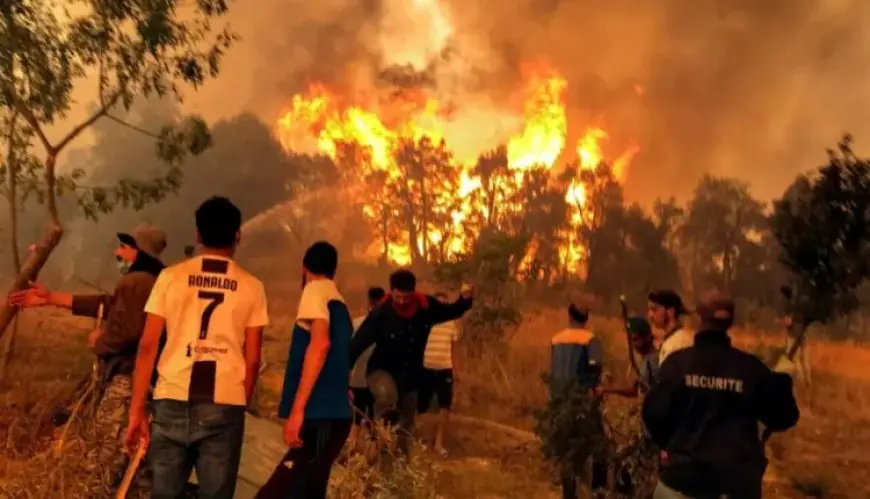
(704, 408)
(399, 329)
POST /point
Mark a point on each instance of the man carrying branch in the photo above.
(116, 341)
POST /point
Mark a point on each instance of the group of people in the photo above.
(179, 351)
(703, 397)
(179, 354)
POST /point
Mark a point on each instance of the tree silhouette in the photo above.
(722, 222)
(822, 224)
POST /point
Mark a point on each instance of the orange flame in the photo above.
(319, 120)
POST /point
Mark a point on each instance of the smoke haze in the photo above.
(742, 88)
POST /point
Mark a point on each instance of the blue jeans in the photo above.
(206, 436)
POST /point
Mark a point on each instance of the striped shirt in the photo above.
(358, 375)
(439, 348)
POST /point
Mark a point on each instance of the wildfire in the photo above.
(321, 120)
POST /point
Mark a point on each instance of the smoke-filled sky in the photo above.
(745, 88)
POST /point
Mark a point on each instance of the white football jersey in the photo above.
(207, 302)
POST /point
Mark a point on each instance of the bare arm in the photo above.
(253, 353)
(146, 357)
(315, 357)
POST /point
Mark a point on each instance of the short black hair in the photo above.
(403, 280)
(668, 298)
(577, 314)
(321, 258)
(376, 293)
(218, 222)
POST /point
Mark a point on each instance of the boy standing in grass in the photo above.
(213, 312)
(315, 395)
(439, 375)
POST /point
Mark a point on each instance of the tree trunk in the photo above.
(37, 258)
(31, 268)
(12, 198)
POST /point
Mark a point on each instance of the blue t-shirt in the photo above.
(329, 398)
(576, 354)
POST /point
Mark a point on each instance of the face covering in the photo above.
(124, 266)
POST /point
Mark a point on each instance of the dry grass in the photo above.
(820, 458)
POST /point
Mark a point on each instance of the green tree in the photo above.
(246, 164)
(822, 224)
(131, 48)
(723, 223)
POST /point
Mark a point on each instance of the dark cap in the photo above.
(715, 310)
(638, 326)
(145, 238)
(668, 298)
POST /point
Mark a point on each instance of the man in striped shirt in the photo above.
(439, 362)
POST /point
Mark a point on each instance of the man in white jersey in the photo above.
(439, 363)
(214, 313)
(666, 310)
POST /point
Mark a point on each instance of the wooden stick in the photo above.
(89, 390)
(131, 472)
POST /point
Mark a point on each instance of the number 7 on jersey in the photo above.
(214, 299)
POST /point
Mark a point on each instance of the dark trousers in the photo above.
(205, 436)
(599, 480)
(304, 471)
(407, 409)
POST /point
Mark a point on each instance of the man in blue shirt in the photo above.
(315, 396)
(576, 359)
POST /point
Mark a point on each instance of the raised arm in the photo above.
(445, 312)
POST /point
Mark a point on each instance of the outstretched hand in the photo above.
(34, 296)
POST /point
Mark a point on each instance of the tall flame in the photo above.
(319, 119)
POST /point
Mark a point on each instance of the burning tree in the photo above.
(131, 49)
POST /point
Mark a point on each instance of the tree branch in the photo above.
(31, 120)
(132, 127)
(104, 109)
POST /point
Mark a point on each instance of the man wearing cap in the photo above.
(115, 342)
(666, 311)
(705, 407)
